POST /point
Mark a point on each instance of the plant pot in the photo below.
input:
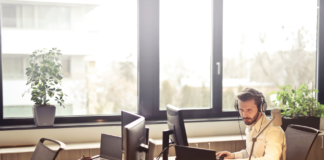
(322, 123)
(44, 115)
(313, 122)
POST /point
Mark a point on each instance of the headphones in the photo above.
(262, 107)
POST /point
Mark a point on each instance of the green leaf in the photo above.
(273, 92)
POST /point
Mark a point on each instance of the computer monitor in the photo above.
(110, 147)
(176, 124)
(133, 139)
(190, 153)
(177, 132)
(127, 118)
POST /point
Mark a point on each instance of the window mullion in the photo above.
(217, 56)
(320, 50)
(148, 59)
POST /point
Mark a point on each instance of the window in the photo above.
(35, 16)
(54, 17)
(28, 16)
(9, 15)
(14, 69)
(66, 66)
(99, 64)
(144, 55)
(268, 45)
(185, 52)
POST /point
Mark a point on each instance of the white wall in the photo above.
(92, 134)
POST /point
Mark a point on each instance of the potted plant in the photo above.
(44, 75)
(299, 106)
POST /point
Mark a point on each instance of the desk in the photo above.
(231, 143)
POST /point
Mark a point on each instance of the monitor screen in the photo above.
(126, 118)
(176, 124)
(134, 137)
(110, 146)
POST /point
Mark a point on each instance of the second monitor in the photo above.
(177, 133)
(134, 135)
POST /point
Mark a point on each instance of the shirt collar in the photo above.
(256, 126)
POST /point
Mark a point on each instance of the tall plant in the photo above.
(44, 75)
(298, 102)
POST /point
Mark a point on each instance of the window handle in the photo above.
(218, 67)
(209, 145)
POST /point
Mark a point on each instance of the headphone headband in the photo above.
(262, 107)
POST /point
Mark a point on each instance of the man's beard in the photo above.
(253, 119)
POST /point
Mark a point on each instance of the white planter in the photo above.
(44, 115)
(322, 123)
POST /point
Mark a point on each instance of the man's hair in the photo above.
(250, 93)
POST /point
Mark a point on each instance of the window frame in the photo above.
(149, 34)
(148, 70)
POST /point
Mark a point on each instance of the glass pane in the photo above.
(14, 67)
(9, 15)
(185, 53)
(28, 16)
(267, 44)
(54, 17)
(98, 41)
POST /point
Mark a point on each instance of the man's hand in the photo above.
(229, 155)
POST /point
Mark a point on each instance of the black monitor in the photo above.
(134, 140)
(177, 132)
(189, 153)
(176, 124)
(127, 118)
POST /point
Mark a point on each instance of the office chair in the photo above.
(299, 140)
(42, 152)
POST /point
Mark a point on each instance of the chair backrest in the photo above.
(299, 140)
(42, 152)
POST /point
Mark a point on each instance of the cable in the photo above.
(241, 133)
(158, 157)
(255, 138)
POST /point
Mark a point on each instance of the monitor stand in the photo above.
(166, 143)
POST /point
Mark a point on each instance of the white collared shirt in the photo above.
(270, 145)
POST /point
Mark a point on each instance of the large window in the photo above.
(185, 52)
(141, 55)
(267, 44)
(99, 54)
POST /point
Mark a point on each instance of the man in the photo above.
(270, 145)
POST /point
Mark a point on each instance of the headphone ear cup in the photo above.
(236, 105)
(264, 106)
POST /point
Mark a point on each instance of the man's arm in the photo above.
(241, 154)
(273, 146)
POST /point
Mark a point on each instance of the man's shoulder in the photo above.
(271, 127)
(275, 129)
